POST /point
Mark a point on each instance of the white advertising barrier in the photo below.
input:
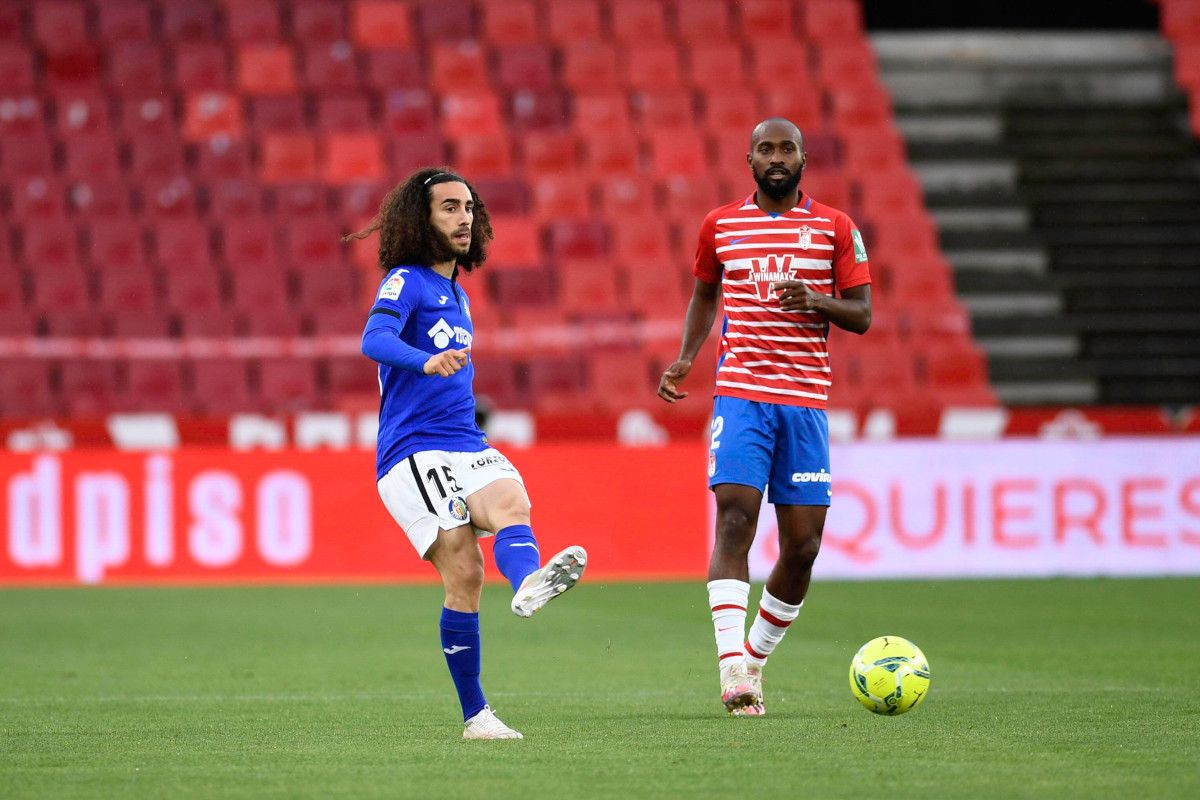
(919, 508)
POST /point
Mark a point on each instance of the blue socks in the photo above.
(516, 553)
(460, 643)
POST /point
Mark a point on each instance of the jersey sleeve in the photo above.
(707, 267)
(850, 265)
(397, 296)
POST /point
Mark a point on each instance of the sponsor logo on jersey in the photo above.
(805, 237)
(860, 249)
(442, 300)
(812, 477)
(487, 461)
(765, 272)
(392, 286)
(442, 334)
(458, 508)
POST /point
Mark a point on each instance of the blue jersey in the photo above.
(418, 411)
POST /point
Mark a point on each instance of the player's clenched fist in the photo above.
(796, 296)
(668, 385)
(447, 362)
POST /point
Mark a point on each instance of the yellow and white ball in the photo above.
(889, 675)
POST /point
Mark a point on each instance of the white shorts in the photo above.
(428, 491)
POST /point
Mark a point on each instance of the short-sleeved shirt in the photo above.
(418, 411)
(766, 353)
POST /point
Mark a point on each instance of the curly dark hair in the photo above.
(406, 235)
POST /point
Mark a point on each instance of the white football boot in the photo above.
(560, 573)
(486, 725)
(737, 688)
(755, 709)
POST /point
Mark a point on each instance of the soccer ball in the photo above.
(889, 675)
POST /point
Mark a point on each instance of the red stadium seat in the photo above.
(266, 69)
(496, 380)
(222, 157)
(289, 157)
(330, 67)
(777, 58)
(209, 114)
(760, 18)
(153, 385)
(137, 324)
(10, 23)
(270, 321)
(380, 23)
(355, 375)
(827, 186)
(359, 201)
(665, 108)
(184, 20)
(171, 196)
(637, 22)
(340, 321)
(301, 200)
(92, 158)
(123, 21)
(699, 21)
(415, 150)
(650, 68)
(182, 246)
(799, 102)
(208, 323)
(21, 114)
(628, 197)
(641, 240)
(551, 376)
(870, 151)
(100, 200)
(312, 246)
(504, 196)
(872, 368)
(49, 246)
(232, 198)
(574, 21)
(25, 388)
(445, 20)
(525, 66)
(409, 111)
(581, 239)
(252, 22)
(329, 289)
(923, 282)
(259, 290)
(471, 114)
(557, 196)
(689, 198)
(77, 68)
(846, 63)
(484, 155)
(958, 370)
(589, 66)
(156, 155)
(89, 387)
(318, 21)
(622, 380)
(281, 114)
(81, 113)
(655, 290)
(16, 68)
(601, 114)
(517, 242)
(458, 67)
(195, 291)
(391, 69)
(344, 111)
(59, 322)
(588, 291)
(59, 24)
(287, 384)
(249, 244)
(26, 154)
(612, 155)
(136, 67)
(513, 22)
(38, 197)
(732, 110)
(118, 247)
(863, 107)
(890, 193)
(549, 153)
(833, 20)
(931, 323)
(539, 110)
(201, 66)
(154, 113)
(219, 386)
(713, 64)
(896, 238)
(671, 154)
(61, 289)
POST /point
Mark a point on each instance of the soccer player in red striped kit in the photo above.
(787, 266)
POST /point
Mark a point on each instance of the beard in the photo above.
(445, 249)
(777, 191)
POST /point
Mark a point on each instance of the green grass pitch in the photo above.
(1040, 689)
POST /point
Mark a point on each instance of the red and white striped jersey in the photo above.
(769, 354)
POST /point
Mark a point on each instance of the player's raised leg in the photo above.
(729, 588)
(503, 506)
(459, 561)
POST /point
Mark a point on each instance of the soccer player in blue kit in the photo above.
(438, 476)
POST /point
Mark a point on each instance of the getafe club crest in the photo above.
(458, 508)
(805, 237)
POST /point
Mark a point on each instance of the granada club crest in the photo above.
(805, 237)
(765, 272)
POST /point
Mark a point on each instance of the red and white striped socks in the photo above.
(727, 598)
(770, 624)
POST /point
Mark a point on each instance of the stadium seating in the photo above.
(187, 167)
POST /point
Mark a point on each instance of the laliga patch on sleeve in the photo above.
(860, 249)
(391, 288)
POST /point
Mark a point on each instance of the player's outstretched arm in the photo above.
(447, 362)
(851, 311)
(701, 311)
